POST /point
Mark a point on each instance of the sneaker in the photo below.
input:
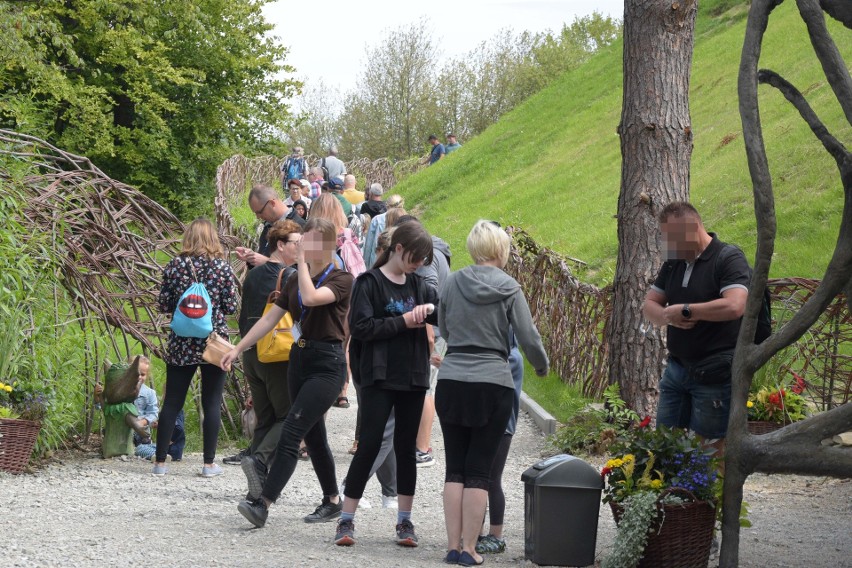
(159, 470)
(490, 544)
(236, 458)
(211, 470)
(362, 503)
(345, 535)
(254, 476)
(327, 511)
(255, 511)
(425, 459)
(405, 534)
(389, 502)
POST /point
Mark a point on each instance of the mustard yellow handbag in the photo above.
(274, 347)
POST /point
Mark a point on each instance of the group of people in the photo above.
(383, 328)
(388, 328)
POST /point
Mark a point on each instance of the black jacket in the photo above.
(372, 332)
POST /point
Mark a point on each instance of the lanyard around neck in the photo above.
(318, 284)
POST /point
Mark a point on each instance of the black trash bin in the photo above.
(562, 498)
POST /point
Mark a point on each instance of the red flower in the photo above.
(800, 383)
(645, 422)
(775, 398)
(605, 471)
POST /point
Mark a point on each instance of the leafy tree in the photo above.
(156, 93)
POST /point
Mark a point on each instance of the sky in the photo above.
(333, 35)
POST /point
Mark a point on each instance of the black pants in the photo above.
(178, 378)
(377, 404)
(496, 496)
(270, 393)
(316, 375)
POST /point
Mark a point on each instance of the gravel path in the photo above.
(85, 511)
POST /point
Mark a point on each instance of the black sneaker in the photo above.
(345, 535)
(255, 476)
(255, 511)
(236, 458)
(327, 511)
(405, 534)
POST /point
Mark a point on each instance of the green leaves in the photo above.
(157, 94)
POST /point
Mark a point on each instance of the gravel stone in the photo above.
(82, 510)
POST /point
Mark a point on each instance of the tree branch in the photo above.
(832, 144)
(832, 63)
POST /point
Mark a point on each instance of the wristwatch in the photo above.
(686, 312)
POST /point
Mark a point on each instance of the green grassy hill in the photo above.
(552, 165)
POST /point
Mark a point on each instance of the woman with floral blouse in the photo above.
(201, 257)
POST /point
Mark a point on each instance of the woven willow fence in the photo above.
(112, 242)
(573, 317)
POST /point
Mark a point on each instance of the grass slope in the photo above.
(552, 165)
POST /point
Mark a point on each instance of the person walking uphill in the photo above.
(389, 353)
(318, 299)
(201, 260)
(475, 389)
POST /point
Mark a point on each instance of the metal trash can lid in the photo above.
(564, 470)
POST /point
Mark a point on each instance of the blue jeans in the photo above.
(684, 403)
(316, 375)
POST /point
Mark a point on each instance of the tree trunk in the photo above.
(656, 144)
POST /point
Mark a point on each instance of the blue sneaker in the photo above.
(159, 470)
(211, 470)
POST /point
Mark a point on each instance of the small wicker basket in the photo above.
(758, 427)
(680, 536)
(17, 439)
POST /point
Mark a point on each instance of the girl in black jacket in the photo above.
(389, 357)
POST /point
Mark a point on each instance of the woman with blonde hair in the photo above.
(475, 391)
(201, 259)
(328, 207)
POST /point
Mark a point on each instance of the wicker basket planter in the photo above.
(17, 439)
(680, 536)
(758, 427)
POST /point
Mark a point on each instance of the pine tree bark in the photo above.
(656, 145)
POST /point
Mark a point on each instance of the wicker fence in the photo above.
(573, 317)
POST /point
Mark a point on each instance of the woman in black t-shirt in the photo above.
(318, 299)
(389, 355)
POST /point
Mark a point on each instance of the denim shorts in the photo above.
(683, 403)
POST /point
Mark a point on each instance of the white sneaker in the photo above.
(362, 503)
(389, 502)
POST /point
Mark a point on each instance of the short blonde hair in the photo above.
(200, 239)
(487, 241)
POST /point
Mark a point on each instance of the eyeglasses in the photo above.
(294, 241)
(259, 213)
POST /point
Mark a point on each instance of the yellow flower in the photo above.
(614, 463)
(629, 458)
(656, 484)
(7, 388)
(749, 404)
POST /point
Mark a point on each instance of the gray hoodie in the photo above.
(478, 303)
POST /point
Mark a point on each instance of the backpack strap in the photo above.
(192, 269)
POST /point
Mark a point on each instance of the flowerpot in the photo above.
(17, 439)
(680, 536)
(758, 427)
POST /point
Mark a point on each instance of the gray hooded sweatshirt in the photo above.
(478, 303)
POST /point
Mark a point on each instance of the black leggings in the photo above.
(178, 378)
(496, 497)
(316, 375)
(377, 404)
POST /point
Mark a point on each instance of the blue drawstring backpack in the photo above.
(193, 316)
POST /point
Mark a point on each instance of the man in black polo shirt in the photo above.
(700, 296)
